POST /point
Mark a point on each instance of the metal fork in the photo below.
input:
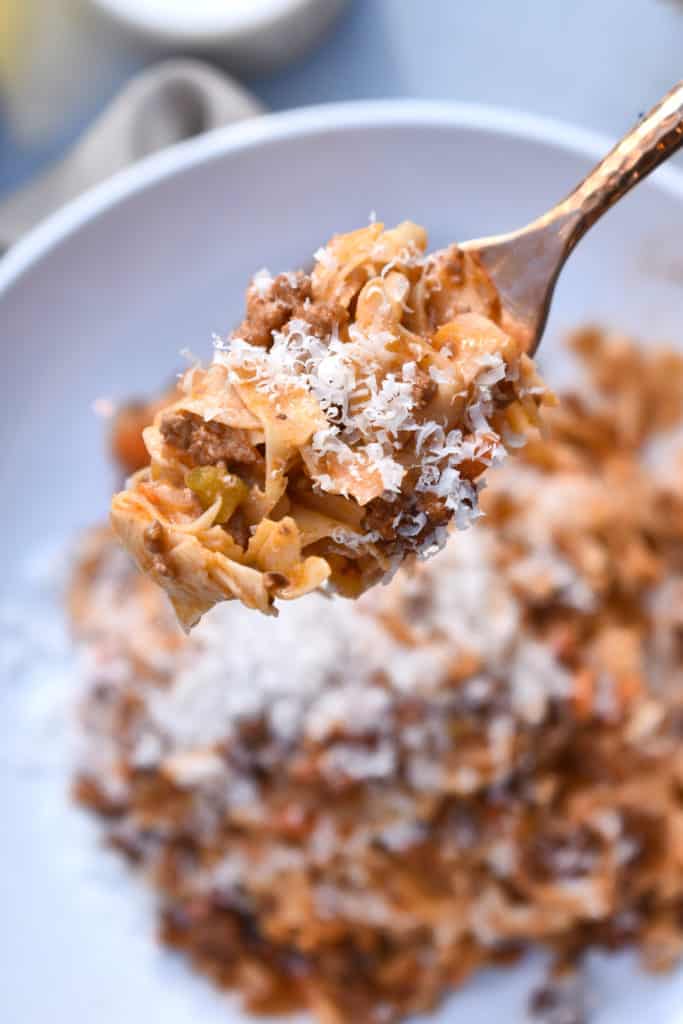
(525, 264)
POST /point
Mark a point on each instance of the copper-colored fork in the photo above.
(524, 265)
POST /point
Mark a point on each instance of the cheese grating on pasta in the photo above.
(339, 430)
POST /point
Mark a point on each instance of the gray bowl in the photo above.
(100, 300)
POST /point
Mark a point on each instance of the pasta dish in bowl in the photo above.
(356, 805)
(353, 807)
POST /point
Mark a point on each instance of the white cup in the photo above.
(252, 35)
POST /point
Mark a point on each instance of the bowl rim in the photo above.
(231, 26)
(324, 119)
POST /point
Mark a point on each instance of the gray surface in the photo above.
(596, 63)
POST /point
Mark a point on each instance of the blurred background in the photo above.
(597, 63)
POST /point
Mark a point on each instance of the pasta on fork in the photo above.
(343, 427)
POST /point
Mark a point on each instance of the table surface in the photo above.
(597, 63)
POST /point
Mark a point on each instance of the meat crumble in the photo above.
(354, 807)
(208, 443)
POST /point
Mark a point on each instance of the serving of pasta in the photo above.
(341, 429)
(353, 808)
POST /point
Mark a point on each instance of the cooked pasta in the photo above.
(354, 807)
(340, 430)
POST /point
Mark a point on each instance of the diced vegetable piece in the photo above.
(212, 482)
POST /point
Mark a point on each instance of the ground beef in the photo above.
(238, 529)
(207, 443)
(322, 317)
(292, 288)
(271, 311)
(425, 389)
(433, 507)
(379, 518)
(155, 543)
(456, 283)
(289, 297)
(380, 515)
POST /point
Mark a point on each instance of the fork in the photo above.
(524, 265)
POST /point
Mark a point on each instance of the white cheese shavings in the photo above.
(262, 282)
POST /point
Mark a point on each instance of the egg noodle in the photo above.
(338, 431)
(355, 806)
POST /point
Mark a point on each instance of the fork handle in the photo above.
(645, 147)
